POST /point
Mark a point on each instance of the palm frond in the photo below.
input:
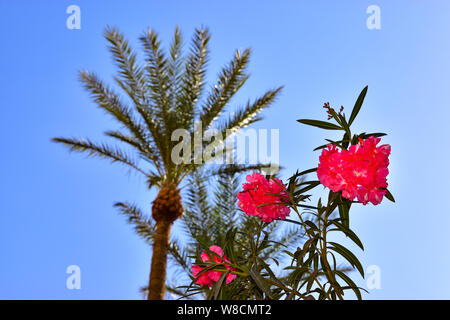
(179, 255)
(170, 289)
(225, 200)
(177, 292)
(235, 169)
(132, 78)
(143, 226)
(157, 83)
(193, 79)
(196, 205)
(174, 67)
(249, 113)
(146, 151)
(126, 139)
(133, 82)
(157, 76)
(107, 100)
(283, 240)
(99, 150)
(231, 79)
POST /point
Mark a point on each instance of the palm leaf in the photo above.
(143, 226)
(231, 79)
(101, 151)
(107, 100)
(193, 79)
(174, 67)
(249, 114)
(157, 83)
(132, 78)
(133, 82)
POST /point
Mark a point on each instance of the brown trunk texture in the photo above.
(165, 210)
(159, 261)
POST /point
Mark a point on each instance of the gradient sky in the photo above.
(56, 207)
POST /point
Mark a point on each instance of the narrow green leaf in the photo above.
(346, 139)
(349, 256)
(349, 233)
(358, 105)
(292, 221)
(389, 195)
(307, 171)
(321, 147)
(344, 214)
(218, 285)
(320, 124)
(289, 253)
(375, 134)
(311, 224)
(312, 185)
(259, 281)
(350, 283)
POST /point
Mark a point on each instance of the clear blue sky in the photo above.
(56, 207)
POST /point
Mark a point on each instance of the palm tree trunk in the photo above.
(165, 210)
(159, 260)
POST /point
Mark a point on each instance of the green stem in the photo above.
(324, 256)
(315, 247)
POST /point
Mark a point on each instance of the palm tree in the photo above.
(165, 93)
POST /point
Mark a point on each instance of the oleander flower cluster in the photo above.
(359, 172)
(257, 191)
(208, 278)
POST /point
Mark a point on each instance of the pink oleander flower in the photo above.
(210, 277)
(360, 171)
(255, 193)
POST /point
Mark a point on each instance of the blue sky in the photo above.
(56, 207)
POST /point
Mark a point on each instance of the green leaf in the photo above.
(350, 283)
(336, 143)
(306, 171)
(292, 221)
(311, 224)
(358, 105)
(375, 134)
(350, 257)
(321, 147)
(218, 285)
(346, 139)
(389, 195)
(344, 214)
(320, 124)
(289, 253)
(312, 185)
(259, 281)
(349, 233)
